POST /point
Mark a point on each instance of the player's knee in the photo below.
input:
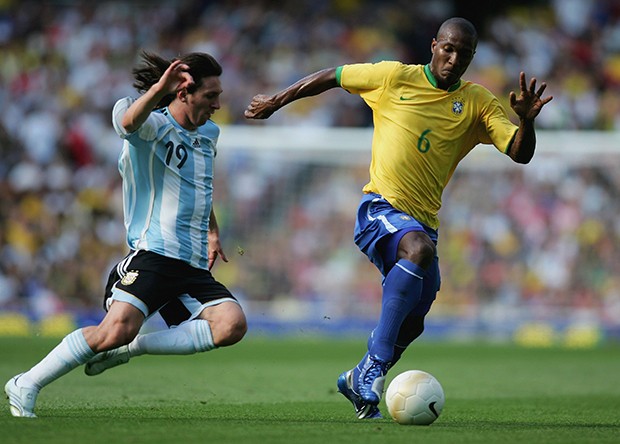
(119, 327)
(231, 332)
(418, 248)
(237, 330)
(227, 322)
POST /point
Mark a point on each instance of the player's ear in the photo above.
(182, 95)
(433, 44)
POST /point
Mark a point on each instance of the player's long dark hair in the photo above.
(153, 66)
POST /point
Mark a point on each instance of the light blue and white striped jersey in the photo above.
(167, 176)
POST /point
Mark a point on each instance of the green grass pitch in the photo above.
(269, 390)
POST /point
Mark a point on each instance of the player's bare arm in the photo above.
(263, 106)
(527, 106)
(174, 78)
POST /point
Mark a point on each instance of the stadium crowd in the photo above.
(60, 220)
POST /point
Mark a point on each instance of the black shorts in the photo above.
(152, 283)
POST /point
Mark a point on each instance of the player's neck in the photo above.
(181, 117)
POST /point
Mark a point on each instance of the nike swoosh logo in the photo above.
(431, 407)
(406, 98)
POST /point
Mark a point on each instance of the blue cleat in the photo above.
(363, 410)
(372, 380)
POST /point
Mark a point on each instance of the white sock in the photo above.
(186, 339)
(72, 352)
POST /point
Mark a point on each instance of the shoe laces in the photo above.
(376, 369)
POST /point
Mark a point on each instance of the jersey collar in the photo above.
(166, 112)
(431, 78)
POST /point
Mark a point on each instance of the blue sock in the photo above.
(402, 290)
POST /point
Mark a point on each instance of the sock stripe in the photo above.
(78, 346)
(203, 336)
(409, 271)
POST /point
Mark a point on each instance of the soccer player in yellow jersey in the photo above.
(426, 119)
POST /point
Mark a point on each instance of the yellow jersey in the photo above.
(422, 132)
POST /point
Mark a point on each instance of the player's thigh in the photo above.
(147, 290)
(380, 228)
(225, 316)
(145, 280)
(197, 292)
(226, 312)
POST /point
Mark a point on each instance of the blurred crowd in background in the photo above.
(507, 240)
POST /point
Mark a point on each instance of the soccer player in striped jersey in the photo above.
(426, 119)
(167, 168)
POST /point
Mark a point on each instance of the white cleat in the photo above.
(21, 399)
(107, 359)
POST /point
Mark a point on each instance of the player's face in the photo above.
(202, 103)
(452, 51)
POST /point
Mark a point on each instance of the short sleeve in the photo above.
(119, 110)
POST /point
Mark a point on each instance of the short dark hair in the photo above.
(153, 66)
(461, 23)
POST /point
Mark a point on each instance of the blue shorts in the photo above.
(378, 230)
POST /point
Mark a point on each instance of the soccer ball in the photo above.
(414, 397)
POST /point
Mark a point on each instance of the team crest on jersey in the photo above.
(457, 106)
(129, 278)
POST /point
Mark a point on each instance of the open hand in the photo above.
(176, 77)
(529, 102)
